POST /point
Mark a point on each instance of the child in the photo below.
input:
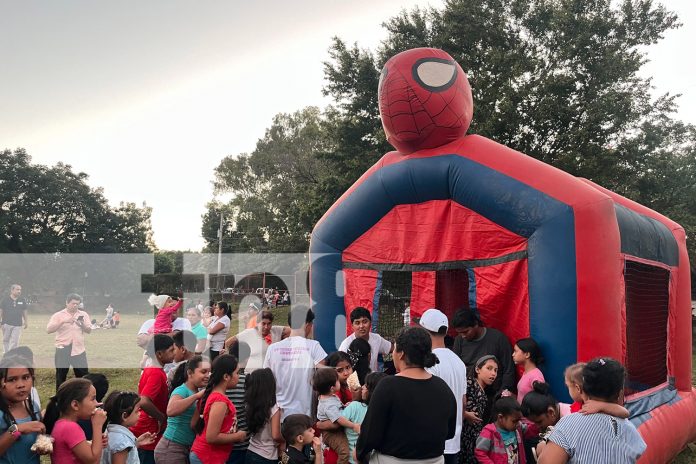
(263, 417)
(166, 308)
(154, 391)
(175, 445)
(101, 385)
(19, 415)
(574, 382)
(75, 399)
(526, 353)
(218, 328)
(356, 410)
(116, 320)
(242, 352)
(326, 385)
(359, 352)
(184, 349)
(122, 410)
(341, 362)
(216, 428)
(501, 441)
(298, 433)
(484, 374)
(207, 316)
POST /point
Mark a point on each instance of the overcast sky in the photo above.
(148, 97)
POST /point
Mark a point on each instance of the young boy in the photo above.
(184, 348)
(298, 433)
(361, 320)
(154, 394)
(329, 408)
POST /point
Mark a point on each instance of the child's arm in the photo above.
(85, 453)
(149, 407)
(213, 434)
(318, 455)
(613, 409)
(327, 425)
(120, 457)
(343, 422)
(178, 405)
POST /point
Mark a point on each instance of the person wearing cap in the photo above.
(252, 314)
(451, 369)
(259, 338)
(596, 437)
(70, 326)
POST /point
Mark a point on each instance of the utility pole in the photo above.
(219, 261)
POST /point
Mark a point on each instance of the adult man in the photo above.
(474, 340)
(13, 310)
(194, 317)
(259, 339)
(293, 361)
(70, 326)
(451, 369)
(361, 320)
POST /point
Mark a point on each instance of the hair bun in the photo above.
(541, 387)
(430, 360)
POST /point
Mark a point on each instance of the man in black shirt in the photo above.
(13, 309)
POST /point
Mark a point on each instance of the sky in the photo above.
(148, 97)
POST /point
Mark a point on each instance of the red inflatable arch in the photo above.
(537, 251)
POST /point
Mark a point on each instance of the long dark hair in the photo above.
(529, 345)
(8, 363)
(71, 390)
(359, 352)
(259, 398)
(371, 381)
(224, 364)
(182, 371)
(119, 403)
(416, 345)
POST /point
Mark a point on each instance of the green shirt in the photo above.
(179, 427)
(199, 331)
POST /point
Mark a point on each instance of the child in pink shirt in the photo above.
(166, 308)
(527, 354)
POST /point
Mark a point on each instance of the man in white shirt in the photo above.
(451, 369)
(361, 320)
(293, 361)
(259, 338)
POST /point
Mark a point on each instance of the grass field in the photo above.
(115, 354)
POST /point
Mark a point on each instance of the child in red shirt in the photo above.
(154, 394)
(166, 308)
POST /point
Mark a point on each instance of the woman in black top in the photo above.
(411, 414)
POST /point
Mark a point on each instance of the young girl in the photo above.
(166, 306)
(341, 362)
(574, 382)
(359, 352)
(527, 354)
(501, 442)
(218, 328)
(484, 374)
(75, 399)
(216, 430)
(327, 385)
(175, 445)
(20, 418)
(356, 410)
(263, 417)
(122, 410)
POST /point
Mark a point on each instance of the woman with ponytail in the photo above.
(19, 415)
(216, 428)
(403, 406)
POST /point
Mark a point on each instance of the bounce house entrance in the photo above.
(451, 292)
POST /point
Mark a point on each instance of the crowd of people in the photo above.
(271, 394)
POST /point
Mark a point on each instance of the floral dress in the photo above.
(476, 401)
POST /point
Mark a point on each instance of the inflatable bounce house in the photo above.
(535, 250)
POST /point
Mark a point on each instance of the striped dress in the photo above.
(598, 438)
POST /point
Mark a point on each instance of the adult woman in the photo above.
(218, 328)
(595, 437)
(411, 414)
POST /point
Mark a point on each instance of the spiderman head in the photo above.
(424, 100)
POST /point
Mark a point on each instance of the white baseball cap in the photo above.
(434, 320)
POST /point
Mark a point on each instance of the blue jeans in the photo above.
(253, 458)
(237, 457)
(194, 459)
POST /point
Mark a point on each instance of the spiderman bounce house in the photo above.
(535, 250)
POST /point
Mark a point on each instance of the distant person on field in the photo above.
(13, 312)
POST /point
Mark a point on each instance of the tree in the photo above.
(48, 209)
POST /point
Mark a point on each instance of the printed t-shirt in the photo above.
(179, 427)
(452, 370)
(153, 384)
(378, 345)
(259, 345)
(67, 435)
(293, 361)
(214, 454)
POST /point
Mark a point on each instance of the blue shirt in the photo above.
(20, 451)
(354, 412)
(179, 427)
(120, 439)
